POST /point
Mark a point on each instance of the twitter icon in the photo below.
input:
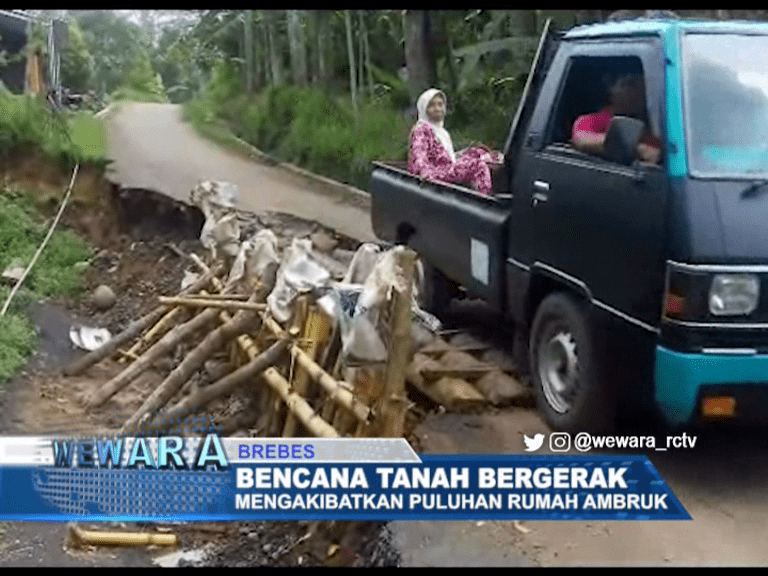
(533, 444)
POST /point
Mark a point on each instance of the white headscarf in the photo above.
(437, 127)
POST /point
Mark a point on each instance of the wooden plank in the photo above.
(501, 389)
(452, 393)
(466, 372)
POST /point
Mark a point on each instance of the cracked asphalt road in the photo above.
(154, 149)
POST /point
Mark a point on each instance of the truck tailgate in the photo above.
(458, 231)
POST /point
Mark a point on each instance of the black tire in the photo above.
(438, 291)
(577, 398)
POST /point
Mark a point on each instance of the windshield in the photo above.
(726, 104)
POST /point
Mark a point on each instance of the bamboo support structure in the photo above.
(191, 363)
(277, 382)
(146, 360)
(340, 395)
(316, 330)
(193, 404)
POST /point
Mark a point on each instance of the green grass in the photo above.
(22, 230)
(28, 122)
(87, 132)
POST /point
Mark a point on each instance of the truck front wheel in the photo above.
(568, 379)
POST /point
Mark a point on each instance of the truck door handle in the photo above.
(541, 185)
(539, 197)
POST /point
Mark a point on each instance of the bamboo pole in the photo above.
(166, 323)
(210, 303)
(134, 329)
(204, 296)
(308, 417)
(191, 363)
(92, 538)
(145, 361)
(316, 329)
(394, 404)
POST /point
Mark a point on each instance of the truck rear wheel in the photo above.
(438, 290)
(568, 379)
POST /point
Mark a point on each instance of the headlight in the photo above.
(733, 294)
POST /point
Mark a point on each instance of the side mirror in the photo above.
(622, 139)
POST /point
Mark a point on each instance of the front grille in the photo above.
(686, 339)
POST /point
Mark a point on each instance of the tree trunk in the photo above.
(266, 52)
(322, 37)
(274, 55)
(419, 58)
(297, 47)
(360, 53)
(367, 47)
(248, 42)
(351, 54)
(257, 49)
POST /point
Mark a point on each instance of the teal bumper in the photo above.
(680, 376)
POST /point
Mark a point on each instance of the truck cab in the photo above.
(629, 282)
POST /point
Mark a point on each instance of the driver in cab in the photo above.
(626, 98)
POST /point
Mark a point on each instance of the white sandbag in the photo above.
(297, 274)
(362, 312)
(362, 264)
(256, 261)
(221, 230)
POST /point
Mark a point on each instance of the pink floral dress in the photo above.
(429, 158)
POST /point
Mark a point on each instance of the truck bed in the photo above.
(457, 230)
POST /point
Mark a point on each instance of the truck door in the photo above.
(591, 222)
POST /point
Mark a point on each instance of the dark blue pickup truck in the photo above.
(628, 283)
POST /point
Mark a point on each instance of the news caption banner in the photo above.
(209, 478)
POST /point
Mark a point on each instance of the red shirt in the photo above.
(598, 123)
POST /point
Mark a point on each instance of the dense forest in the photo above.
(330, 90)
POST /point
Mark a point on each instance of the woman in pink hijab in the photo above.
(431, 153)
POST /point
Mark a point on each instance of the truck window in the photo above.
(586, 90)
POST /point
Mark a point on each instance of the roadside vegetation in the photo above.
(27, 122)
(22, 229)
(309, 128)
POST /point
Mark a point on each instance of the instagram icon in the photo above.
(559, 442)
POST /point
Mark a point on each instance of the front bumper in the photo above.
(681, 377)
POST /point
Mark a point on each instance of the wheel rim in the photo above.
(558, 371)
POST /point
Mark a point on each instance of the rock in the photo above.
(80, 266)
(323, 242)
(14, 272)
(104, 298)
